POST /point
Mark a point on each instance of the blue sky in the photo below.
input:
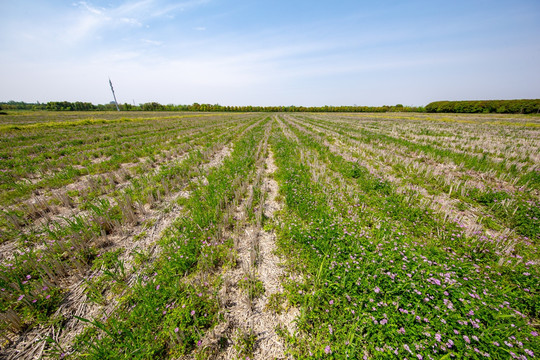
(277, 52)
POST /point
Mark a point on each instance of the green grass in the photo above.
(160, 296)
(378, 289)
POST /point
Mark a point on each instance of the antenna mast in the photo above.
(115, 102)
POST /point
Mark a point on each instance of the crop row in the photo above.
(475, 157)
(90, 187)
(499, 206)
(43, 159)
(386, 277)
(176, 295)
(34, 277)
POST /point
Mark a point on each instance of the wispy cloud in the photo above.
(91, 9)
(92, 20)
(179, 6)
(152, 42)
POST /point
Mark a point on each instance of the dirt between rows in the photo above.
(477, 179)
(441, 203)
(32, 344)
(256, 257)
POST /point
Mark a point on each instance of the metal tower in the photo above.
(115, 102)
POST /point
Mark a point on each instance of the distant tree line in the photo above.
(249, 108)
(486, 106)
(475, 106)
(154, 106)
(56, 106)
(70, 106)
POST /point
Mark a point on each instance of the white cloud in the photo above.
(181, 6)
(131, 21)
(152, 42)
(82, 27)
(93, 21)
(85, 5)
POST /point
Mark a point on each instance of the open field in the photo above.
(216, 235)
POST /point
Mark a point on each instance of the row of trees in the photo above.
(59, 106)
(486, 106)
(69, 106)
(476, 106)
(154, 106)
(216, 107)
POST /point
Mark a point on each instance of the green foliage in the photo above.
(244, 343)
(32, 280)
(152, 106)
(155, 106)
(252, 286)
(111, 264)
(486, 106)
(176, 314)
(392, 287)
(531, 179)
(69, 106)
(276, 303)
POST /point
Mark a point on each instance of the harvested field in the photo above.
(297, 235)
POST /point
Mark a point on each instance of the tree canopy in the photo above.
(524, 106)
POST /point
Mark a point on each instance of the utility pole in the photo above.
(115, 102)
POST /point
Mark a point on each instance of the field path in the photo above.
(247, 316)
(271, 273)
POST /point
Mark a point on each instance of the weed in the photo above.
(276, 303)
(244, 343)
(253, 287)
